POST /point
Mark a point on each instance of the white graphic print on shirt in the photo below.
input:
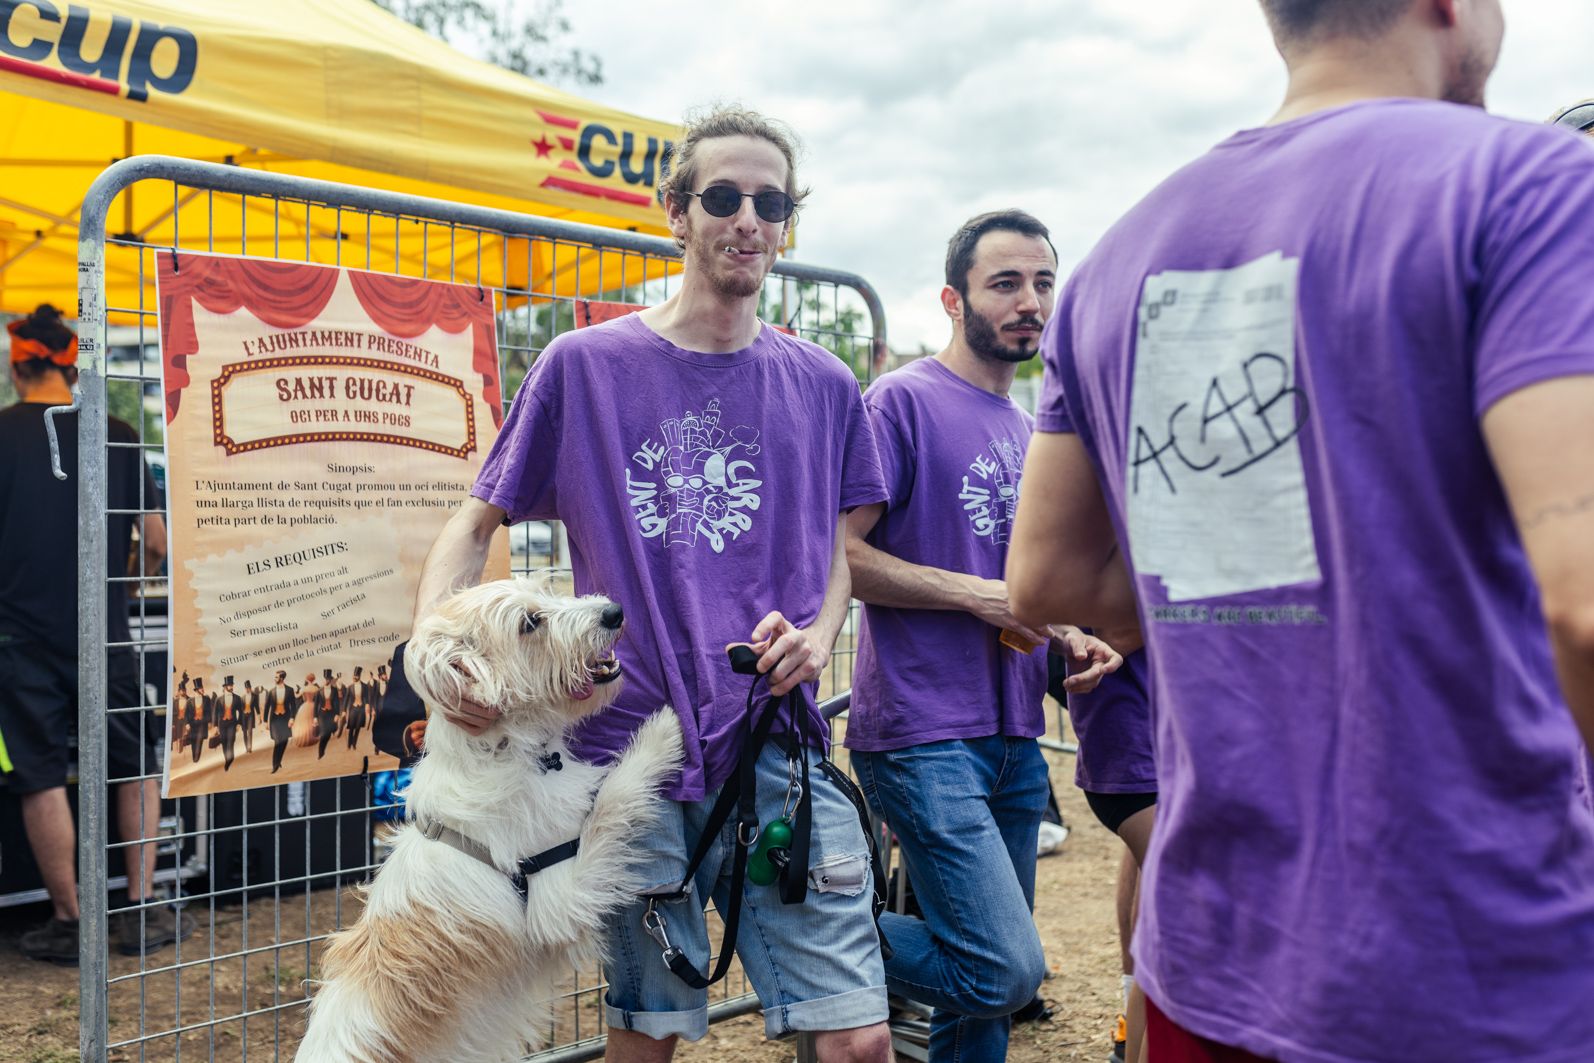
(695, 482)
(990, 490)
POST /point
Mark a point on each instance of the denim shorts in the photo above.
(815, 965)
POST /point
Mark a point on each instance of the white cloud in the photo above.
(917, 115)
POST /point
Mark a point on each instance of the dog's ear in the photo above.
(476, 677)
(444, 662)
(435, 649)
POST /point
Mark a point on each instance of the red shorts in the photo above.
(1168, 1042)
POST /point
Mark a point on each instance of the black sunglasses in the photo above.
(1579, 117)
(722, 201)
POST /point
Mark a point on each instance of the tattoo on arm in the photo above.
(1559, 510)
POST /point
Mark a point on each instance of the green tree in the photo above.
(826, 316)
(126, 401)
(819, 313)
(533, 44)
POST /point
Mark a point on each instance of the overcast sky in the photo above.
(916, 115)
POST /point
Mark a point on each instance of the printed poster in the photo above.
(322, 424)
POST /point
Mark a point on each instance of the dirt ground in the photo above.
(255, 959)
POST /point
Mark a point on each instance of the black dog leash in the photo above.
(738, 792)
(786, 858)
(784, 843)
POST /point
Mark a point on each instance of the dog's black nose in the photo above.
(613, 616)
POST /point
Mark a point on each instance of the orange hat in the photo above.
(24, 349)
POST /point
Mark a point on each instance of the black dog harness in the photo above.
(477, 851)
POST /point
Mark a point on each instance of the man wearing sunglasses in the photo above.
(702, 462)
(947, 700)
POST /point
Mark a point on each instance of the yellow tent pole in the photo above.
(127, 196)
(31, 245)
(149, 227)
(57, 222)
(49, 216)
(94, 164)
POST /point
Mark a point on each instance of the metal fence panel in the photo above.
(250, 867)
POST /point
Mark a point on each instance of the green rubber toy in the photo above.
(760, 869)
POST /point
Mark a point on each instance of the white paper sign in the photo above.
(1217, 494)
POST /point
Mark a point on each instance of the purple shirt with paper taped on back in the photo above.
(952, 455)
(700, 491)
(1278, 362)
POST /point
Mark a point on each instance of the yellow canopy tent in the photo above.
(332, 89)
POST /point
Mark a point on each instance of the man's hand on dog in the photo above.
(789, 655)
(471, 717)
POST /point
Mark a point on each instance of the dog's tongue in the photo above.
(582, 692)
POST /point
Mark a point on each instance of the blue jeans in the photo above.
(965, 813)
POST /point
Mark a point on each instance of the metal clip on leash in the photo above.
(773, 856)
(653, 923)
(794, 789)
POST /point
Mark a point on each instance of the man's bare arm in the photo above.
(1064, 564)
(1542, 442)
(793, 655)
(458, 556)
(838, 592)
(455, 561)
(884, 579)
(152, 543)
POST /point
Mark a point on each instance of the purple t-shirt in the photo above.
(952, 455)
(1368, 839)
(1113, 726)
(699, 491)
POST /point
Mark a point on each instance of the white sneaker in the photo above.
(1051, 838)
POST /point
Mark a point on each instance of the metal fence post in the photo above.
(93, 928)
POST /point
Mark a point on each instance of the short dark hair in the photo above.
(960, 249)
(1308, 21)
(678, 169)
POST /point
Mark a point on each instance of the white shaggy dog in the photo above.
(448, 962)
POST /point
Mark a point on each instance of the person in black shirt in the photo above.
(39, 638)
